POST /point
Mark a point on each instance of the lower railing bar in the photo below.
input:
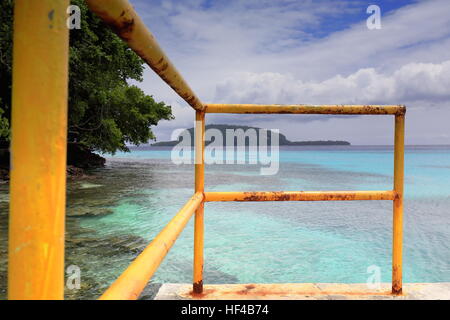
(300, 195)
(134, 279)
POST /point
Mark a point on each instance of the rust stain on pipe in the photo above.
(197, 287)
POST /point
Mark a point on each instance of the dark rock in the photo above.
(82, 157)
(79, 158)
(150, 291)
(75, 173)
(4, 164)
(4, 174)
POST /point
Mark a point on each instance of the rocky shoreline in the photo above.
(73, 173)
(80, 160)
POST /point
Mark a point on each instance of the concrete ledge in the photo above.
(304, 291)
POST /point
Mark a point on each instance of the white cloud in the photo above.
(411, 83)
(415, 33)
(270, 52)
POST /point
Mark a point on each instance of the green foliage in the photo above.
(6, 13)
(105, 112)
(4, 125)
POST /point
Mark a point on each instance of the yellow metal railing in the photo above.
(39, 123)
(38, 150)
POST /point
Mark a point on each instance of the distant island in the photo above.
(283, 141)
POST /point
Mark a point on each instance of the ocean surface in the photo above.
(116, 211)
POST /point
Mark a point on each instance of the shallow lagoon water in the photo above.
(113, 214)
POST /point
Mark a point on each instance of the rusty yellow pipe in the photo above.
(134, 279)
(123, 19)
(305, 109)
(299, 196)
(38, 150)
(199, 151)
(399, 151)
(199, 214)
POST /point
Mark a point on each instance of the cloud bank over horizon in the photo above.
(411, 84)
(305, 52)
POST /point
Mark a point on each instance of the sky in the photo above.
(307, 52)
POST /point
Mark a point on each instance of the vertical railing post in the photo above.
(38, 150)
(399, 148)
(199, 187)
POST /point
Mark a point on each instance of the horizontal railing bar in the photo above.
(306, 109)
(134, 279)
(125, 22)
(300, 195)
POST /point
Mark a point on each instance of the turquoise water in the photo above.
(274, 242)
(115, 212)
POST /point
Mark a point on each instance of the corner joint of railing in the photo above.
(401, 110)
(200, 195)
